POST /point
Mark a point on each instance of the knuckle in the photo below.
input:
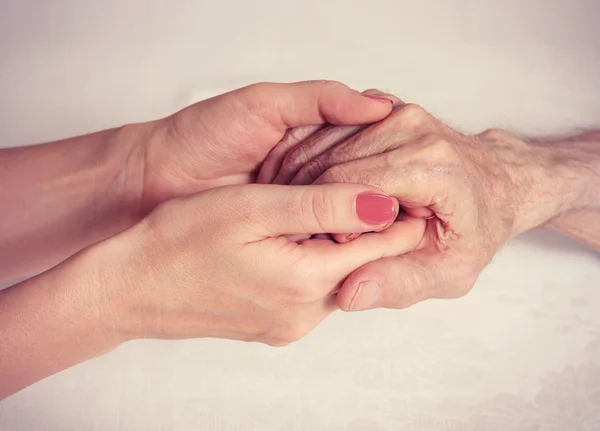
(494, 135)
(439, 148)
(411, 117)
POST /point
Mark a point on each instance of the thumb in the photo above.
(284, 106)
(276, 210)
(391, 282)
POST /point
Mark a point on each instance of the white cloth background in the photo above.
(521, 352)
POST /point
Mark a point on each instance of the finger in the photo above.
(294, 136)
(405, 125)
(400, 174)
(391, 282)
(396, 101)
(318, 143)
(274, 160)
(344, 238)
(370, 141)
(402, 237)
(272, 210)
(420, 212)
(312, 102)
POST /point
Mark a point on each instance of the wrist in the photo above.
(126, 171)
(104, 268)
(564, 180)
(146, 146)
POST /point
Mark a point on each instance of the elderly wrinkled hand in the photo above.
(476, 193)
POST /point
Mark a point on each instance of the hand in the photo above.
(224, 140)
(476, 192)
(215, 264)
(301, 144)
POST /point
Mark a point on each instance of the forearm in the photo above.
(567, 185)
(59, 197)
(49, 323)
(582, 219)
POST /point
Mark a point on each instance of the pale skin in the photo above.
(143, 243)
(177, 258)
(474, 192)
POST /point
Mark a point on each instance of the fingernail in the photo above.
(375, 208)
(366, 296)
(379, 98)
(352, 236)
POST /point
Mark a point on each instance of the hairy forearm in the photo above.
(49, 323)
(581, 219)
(59, 197)
(567, 185)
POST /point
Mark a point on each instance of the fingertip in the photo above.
(420, 212)
(344, 238)
(393, 99)
(378, 98)
(353, 108)
(361, 296)
(344, 297)
(396, 209)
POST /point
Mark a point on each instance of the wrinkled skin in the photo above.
(474, 191)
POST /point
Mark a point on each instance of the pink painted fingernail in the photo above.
(379, 98)
(352, 236)
(366, 297)
(375, 208)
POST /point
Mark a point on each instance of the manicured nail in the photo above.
(352, 236)
(375, 208)
(367, 295)
(379, 98)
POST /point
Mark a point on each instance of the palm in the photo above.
(222, 147)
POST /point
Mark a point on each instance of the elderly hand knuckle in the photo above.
(411, 117)
(494, 135)
(439, 148)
